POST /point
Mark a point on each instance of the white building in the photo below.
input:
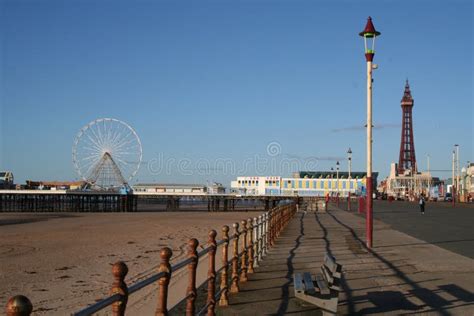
(171, 188)
(322, 184)
(408, 186)
(467, 183)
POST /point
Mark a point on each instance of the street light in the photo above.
(337, 182)
(349, 161)
(457, 172)
(452, 182)
(369, 34)
(349, 165)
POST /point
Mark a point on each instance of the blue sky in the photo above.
(211, 81)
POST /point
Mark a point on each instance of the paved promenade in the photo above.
(447, 227)
(401, 275)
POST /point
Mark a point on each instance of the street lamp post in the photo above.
(349, 163)
(369, 34)
(458, 192)
(332, 187)
(337, 182)
(453, 198)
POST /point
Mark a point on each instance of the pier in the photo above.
(97, 201)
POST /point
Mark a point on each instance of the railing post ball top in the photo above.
(243, 264)
(250, 252)
(165, 267)
(19, 305)
(256, 240)
(211, 274)
(191, 292)
(234, 287)
(119, 271)
(224, 299)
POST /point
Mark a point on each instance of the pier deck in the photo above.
(401, 274)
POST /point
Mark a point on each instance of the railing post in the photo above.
(250, 252)
(273, 215)
(224, 299)
(243, 262)
(191, 291)
(119, 271)
(260, 237)
(19, 305)
(279, 220)
(269, 230)
(211, 274)
(256, 241)
(164, 281)
(234, 287)
(266, 231)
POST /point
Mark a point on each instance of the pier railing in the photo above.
(250, 241)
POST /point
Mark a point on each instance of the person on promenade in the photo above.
(422, 204)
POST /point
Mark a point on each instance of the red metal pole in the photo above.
(369, 218)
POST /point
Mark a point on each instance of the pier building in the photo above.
(317, 183)
(169, 188)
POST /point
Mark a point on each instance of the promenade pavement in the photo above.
(401, 275)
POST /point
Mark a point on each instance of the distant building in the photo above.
(318, 183)
(6, 180)
(216, 188)
(54, 185)
(169, 188)
(409, 185)
(467, 183)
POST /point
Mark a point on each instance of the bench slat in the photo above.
(330, 262)
(322, 284)
(327, 274)
(298, 283)
(308, 283)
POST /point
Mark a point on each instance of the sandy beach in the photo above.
(62, 261)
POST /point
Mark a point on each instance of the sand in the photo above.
(62, 262)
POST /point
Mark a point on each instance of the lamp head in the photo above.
(369, 34)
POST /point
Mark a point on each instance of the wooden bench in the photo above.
(321, 289)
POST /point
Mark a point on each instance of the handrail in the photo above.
(255, 237)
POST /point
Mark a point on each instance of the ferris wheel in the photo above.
(107, 153)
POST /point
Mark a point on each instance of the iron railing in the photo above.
(250, 243)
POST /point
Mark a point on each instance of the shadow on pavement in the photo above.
(285, 295)
(390, 301)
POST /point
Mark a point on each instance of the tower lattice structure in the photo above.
(407, 160)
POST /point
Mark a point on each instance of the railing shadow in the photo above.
(285, 288)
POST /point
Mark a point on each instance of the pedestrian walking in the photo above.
(422, 204)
